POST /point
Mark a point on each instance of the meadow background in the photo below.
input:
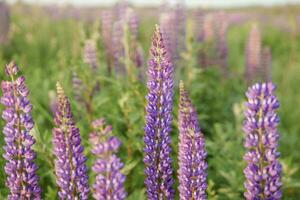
(47, 43)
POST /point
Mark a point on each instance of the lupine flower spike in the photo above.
(78, 88)
(90, 54)
(192, 154)
(20, 168)
(221, 43)
(107, 26)
(253, 54)
(158, 163)
(109, 183)
(70, 167)
(264, 170)
(266, 64)
(167, 25)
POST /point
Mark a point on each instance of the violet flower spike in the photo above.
(20, 168)
(78, 88)
(70, 167)
(107, 27)
(263, 172)
(118, 47)
(109, 182)
(266, 64)
(90, 54)
(132, 20)
(253, 54)
(180, 26)
(192, 154)
(169, 35)
(157, 159)
(221, 43)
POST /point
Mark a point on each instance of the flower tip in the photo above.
(157, 29)
(59, 90)
(11, 68)
(181, 85)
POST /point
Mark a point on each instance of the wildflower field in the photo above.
(149, 103)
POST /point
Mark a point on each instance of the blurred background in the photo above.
(189, 3)
(98, 50)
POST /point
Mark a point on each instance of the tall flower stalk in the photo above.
(192, 154)
(253, 54)
(263, 171)
(109, 183)
(20, 168)
(158, 163)
(266, 63)
(70, 167)
(107, 26)
(221, 43)
(90, 54)
(85, 92)
(173, 26)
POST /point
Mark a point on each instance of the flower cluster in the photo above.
(118, 47)
(78, 87)
(20, 168)
(159, 180)
(263, 170)
(90, 54)
(109, 182)
(253, 54)
(132, 20)
(70, 167)
(173, 27)
(221, 43)
(266, 63)
(107, 27)
(192, 153)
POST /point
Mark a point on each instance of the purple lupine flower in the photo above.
(221, 43)
(90, 54)
(70, 167)
(78, 87)
(208, 28)
(109, 182)
(124, 27)
(107, 28)
(85, 93)
(139, 57)
(266, 63)
(200, 16)
(4, 22)
(173, 27)
(132, 20)
(207, 36)
(120, 9)
(167, 25)
(180, 27)
(192, 154)
(253, 54)
(263, 170)
(118, 46)
(158, 163)
(20, 168)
